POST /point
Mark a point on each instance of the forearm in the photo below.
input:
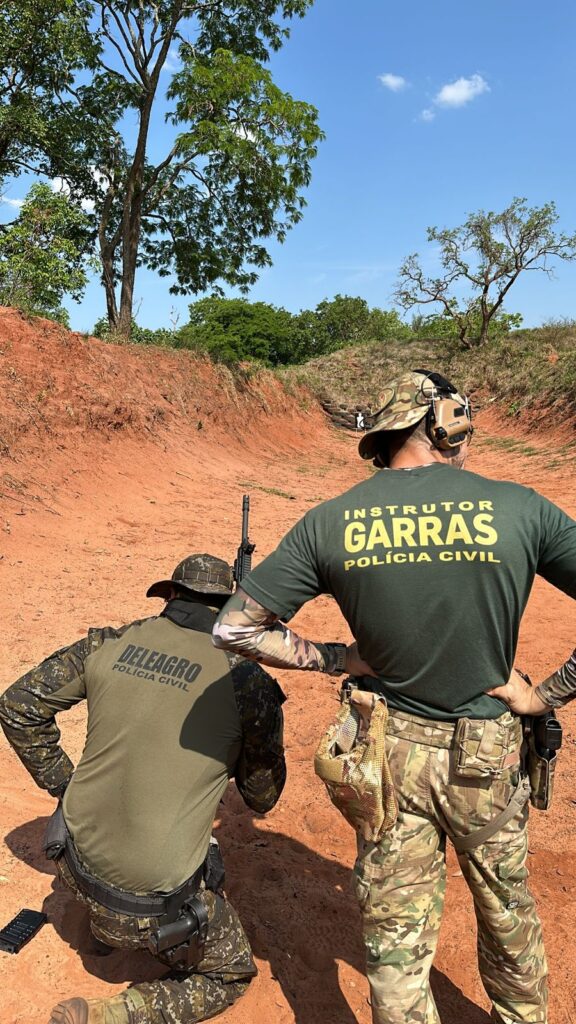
(246, 628)
(559, 688)
(35, 739)
(28, 709)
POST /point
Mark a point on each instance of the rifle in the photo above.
(243, 560)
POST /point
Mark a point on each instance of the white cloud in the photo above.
(244, 133)
(172, 62)
(61, 185)
(16, 203)
(462, 91)
(395, 83)
(427, 115)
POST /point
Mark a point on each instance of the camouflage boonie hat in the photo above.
(403, 403)
(203, 574)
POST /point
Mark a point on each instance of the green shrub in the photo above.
(139, 335)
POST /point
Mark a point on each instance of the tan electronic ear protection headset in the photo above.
(449, 418)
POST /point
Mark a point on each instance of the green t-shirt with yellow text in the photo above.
(432, 568)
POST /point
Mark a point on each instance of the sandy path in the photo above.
(94, 527)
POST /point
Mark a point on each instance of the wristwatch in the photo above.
(335, 659)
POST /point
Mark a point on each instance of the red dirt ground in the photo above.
(106, 481)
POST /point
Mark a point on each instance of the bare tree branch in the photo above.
(502, 246)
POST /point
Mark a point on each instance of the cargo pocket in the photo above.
(362, 872)
(362, 891)
(487, 748)
(512, 873)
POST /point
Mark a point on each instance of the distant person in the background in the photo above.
(360, 424)
(170, 721)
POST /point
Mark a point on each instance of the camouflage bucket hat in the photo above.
(403, 403)
(203, 574)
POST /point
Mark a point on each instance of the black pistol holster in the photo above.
(180, 943)
(542, 740)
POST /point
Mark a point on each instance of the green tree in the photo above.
(44, 254)
(43, 45)
(386, 325)
(233, 330)
(487, 254)
(343, 320)
(238, 149)
(441, 327)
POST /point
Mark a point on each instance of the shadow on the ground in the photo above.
(453, 1006)
(296, 906)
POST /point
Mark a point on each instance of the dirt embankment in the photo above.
(62, 387)
(108, 479)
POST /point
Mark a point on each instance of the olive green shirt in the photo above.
(170, 721)
(431, 568)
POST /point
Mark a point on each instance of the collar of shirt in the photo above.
(190, 615)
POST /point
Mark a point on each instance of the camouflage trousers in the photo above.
(223, 973)
(400, 883)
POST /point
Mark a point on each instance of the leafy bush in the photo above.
(444, 328)
(138, 336)
(232, 330)
(236, 330)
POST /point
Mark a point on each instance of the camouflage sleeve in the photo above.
(260, 772)
(29, 706)
(560, 688)
(247, 628)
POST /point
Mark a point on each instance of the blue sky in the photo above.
(475, 107)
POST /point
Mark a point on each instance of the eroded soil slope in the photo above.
(99, 501)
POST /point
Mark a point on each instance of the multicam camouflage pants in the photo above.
(219, 978)
(400, 883)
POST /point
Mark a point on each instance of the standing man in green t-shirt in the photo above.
(432, 570)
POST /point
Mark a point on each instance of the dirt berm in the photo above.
(117, 462)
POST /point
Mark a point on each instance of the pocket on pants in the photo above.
(360, 882)
(487, 748)
(512, 873)
(362, 891)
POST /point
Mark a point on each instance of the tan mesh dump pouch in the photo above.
(351, 761)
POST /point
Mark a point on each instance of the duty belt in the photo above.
(164, 905)
(430, 732)
(122, 902)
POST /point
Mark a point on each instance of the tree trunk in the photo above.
(129, 259)
(109, 290)
(463, 336)
(132, 222)
(484, 329)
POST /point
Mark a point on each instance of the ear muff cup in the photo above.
(449, 418)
